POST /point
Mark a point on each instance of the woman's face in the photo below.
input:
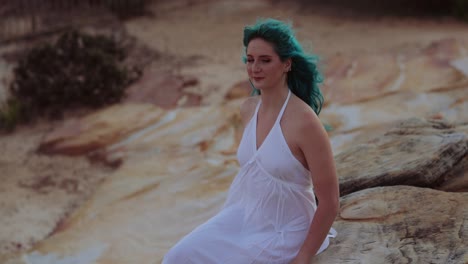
(264, 66)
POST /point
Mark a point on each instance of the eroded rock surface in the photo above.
(416, 152)
(353, 78)
(180, 164)
(100, 129)
(37, 191)
(400, 224)
(164, 89)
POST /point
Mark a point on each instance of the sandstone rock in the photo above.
(210, 129)
(417, 152)
(431, 68)
(457, 179)
(457, 111)
(163, 89)
(216, 80)
(351, 79)
(239, 90)
(354, 124)
(140, 126)
(176, 174)
(81, 136)
(461, 65)
(449, 104)
(37, 191)
(400, 224)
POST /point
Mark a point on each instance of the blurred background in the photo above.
(119, 120)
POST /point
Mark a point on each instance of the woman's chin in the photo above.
(258, 85)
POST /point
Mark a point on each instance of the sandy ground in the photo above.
(36, 190)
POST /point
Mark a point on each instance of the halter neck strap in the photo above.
(282, 108)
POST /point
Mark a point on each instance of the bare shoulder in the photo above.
(247, 108)
(306, 120)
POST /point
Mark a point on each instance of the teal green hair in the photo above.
(304, 77)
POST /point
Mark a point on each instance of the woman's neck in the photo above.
(272, 99)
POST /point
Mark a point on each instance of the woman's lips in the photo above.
(258, 78)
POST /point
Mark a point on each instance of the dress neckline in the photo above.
(277, 121)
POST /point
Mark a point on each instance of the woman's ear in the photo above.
(287, 65)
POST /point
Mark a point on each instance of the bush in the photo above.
(10, 115)
(126, 8)
(460, 9)
(78, 70)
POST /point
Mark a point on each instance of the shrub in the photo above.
(10, 115)
(460, 9)
(126, 8)
(78, 70)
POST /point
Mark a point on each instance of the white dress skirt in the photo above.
(268, 211)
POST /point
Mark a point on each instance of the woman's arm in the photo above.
(315, 145)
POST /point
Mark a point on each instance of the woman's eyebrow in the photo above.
(261, 56)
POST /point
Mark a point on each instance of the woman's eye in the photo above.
(263, 60)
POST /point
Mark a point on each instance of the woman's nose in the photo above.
(256, 67)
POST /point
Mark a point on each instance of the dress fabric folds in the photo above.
(267, 213)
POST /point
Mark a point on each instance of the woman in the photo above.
(270, 215)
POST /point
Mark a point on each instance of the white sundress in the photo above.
(268, 211)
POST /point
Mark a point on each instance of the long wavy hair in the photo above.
(304, 77)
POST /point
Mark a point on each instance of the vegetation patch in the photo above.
(76, 71)
(460, 9)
